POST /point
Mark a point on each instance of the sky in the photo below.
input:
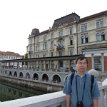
(19, 17)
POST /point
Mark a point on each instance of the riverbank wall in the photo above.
(32, 84)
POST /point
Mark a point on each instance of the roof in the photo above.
(44, 32)
(9, 53)
(66, 19)
(71, 18)
(93, 16)
(35, 32)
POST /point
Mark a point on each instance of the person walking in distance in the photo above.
(81, 88)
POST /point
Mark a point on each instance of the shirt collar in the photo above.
(77, 74)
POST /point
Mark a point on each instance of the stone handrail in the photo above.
(56, 99)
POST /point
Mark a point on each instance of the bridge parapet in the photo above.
(56, 99)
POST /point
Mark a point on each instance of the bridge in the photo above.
(56, 99)
(49, 80)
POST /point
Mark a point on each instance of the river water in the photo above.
(11, 92)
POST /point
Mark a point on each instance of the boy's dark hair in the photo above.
(82, 57)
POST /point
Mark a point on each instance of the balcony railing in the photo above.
(60, 38)
(60, 47)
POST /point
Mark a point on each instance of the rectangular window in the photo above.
(52, 44)
(99, 23)
(52, 35)
(38, 47)
(60, 53)
(30, 47)
(70, 30)
(71, 42)
(84, 27)
(44, 54)
(62, 43)
(71, 51)
(97, 63)
(84, 39)
(37, 39)
(100, 36)
(51, 54)
(44, 45)
(61, 33)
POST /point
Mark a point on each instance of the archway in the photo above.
(27, 75)
(56, 79)
(35, 76)
(45, 77)
(10, 73)
(15, 74)
(21, 75)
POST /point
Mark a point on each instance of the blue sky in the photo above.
(19, 17)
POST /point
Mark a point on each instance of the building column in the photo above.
(92, 56)
(102, 57)
(40, 65)
(17, 64)
(49, 65)
(37, 65)
(44, 63)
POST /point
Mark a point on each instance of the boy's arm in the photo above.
(96, 103)
(67, 91)
(96, 94)
(67, 100)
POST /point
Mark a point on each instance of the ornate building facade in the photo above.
(69, 36)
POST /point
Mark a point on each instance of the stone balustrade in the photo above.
(56, 99)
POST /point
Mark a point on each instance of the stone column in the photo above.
(44, 65)
(102, 61)
(17, 64)
(92, 56)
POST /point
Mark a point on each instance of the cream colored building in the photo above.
(71, 35)
(9, 56)
(92, 39)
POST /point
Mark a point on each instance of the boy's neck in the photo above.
(81, 73)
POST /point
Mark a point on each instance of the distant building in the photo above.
(71, 35)
(9, 56)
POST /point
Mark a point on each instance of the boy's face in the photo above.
(81, 65)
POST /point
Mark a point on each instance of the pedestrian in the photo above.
(78, 90)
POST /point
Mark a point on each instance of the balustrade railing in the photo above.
(56, 99)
